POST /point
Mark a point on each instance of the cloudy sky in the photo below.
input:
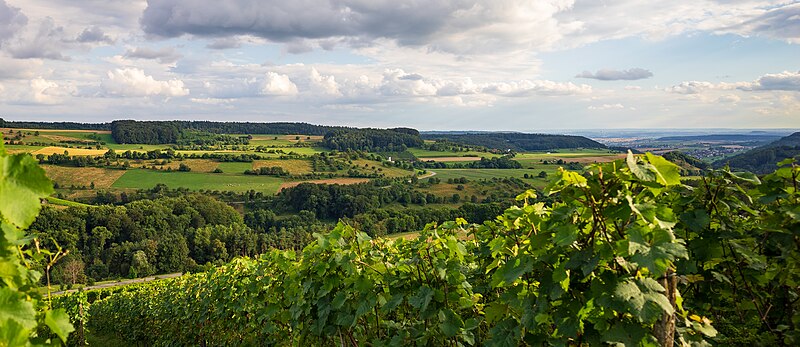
(431, 64)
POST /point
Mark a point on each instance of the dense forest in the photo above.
(762, 159)
(54, 125)
(160, 231)
(689, 165)
(388, 140)
(517, 141)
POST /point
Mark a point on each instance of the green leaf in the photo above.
(13, 334)
(566, 235)
(641, 172)
(451, 323)
(667, 173)
(573, 178)
(421, 298)
(22, 184)
(58, 322)
(495, 311)
(14, 307)
(643, 298)
(625, 334)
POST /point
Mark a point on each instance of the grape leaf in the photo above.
(58, 322)
(22, 184)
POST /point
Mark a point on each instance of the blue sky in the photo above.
(435, 65)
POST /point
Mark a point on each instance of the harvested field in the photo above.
(345, 180)
(60, 138)
(82, 176)
(451, 159)
(292, 166)
(72, 151)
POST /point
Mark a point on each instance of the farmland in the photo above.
(143, 179)
(291, 153)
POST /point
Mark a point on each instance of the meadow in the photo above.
(144, 179)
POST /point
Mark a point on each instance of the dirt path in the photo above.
(427, 175)
(122, 283)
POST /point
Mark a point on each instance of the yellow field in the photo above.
(82, 176)
(292, 166)
(72, 151)
(59, 138)
(345, 180)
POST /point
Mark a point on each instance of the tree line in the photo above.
(518, 142)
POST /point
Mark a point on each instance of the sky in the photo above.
(522, 65)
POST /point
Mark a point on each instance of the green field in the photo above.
(478, 174)
(144, 179)
(424, 153)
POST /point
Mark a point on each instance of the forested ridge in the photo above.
(517, 141)
(762, 159)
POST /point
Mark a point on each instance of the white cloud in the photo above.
(16, 68)
(11, 21)
(165, 55)
(536, 87)
(691, 87)
(616, 75)
(131, 82)
(788, 81)
(606, 107)
(728, 99)
(278, 85)
(324, 85)
(48, 42)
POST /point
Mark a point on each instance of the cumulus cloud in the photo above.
(691, 87)
(323, 84)
(616, 75)
(94, 34)
(166, 55)
(269, 84)
(784, 81)
(134, 82)
(45, 92)
(47, 43)
(278, 85)
(11, 21)
(788, 81)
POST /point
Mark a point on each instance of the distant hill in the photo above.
(762, 159)
(762, 138)
(517, 141)
(689, 165)
(54, 125)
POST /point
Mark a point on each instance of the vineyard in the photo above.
(629, 254)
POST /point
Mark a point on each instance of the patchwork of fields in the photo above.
(202, 176)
